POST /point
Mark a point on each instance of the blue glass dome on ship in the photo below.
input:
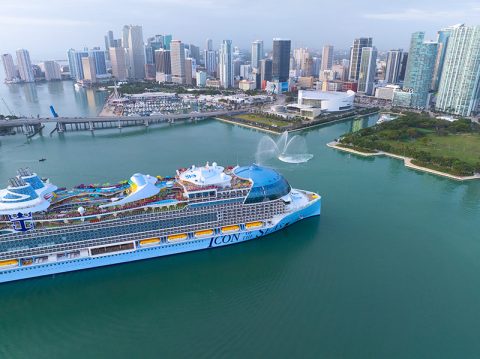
(268, 184)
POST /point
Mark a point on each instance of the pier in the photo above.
(31, 126)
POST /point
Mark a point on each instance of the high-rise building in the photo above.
(109, 42)
(9, 67)
(392, 70)
(459, 89)
(368, 68)
(75, 63)
(209, 45)
(25, 66)
(99, 58)
(210, 60)
(177, 55)
(316, 63)
(136, 52)
(327, 58)
(201, 78)
(189, 73)
(52, 70)
(442, 39)
(163, 61)
(195, 53)
(118, 63)
(356, 56)
(266, 67)
(167, 40)
(125, 35)
(257, 53)
(246, 72)
(281, 60)
(403, 67)
(153, 44)
(419, 73)
(89, 74)
(225, 64)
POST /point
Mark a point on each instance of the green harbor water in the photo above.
(391, 269)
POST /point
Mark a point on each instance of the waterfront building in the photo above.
(266, 69)
(25, 66)
(9, 67)
(136, 52)
(257, 53)
(75, 63)
(52, 70)
(118, 63)
(99, 58)
(201, 78)
(356, 56)
(109, 42)
(392, 70)
(368, 68)
(327, 58)
(177, 54)
(460, 81)
(419, 73)
(89, 68)
(281, 60)
(442, 40)
(312, 103)
(225, 64)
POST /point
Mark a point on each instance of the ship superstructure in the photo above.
(45, 229)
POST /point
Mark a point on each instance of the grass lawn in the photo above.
(260, 119)
(465, 147)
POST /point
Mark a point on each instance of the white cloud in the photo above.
(418, 14)
(25, 20)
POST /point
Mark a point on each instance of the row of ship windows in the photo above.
(86, 259)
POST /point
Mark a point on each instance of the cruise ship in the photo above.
(45, 229)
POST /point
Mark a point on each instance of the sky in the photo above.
(48, 28)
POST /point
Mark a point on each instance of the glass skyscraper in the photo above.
(281, 60)
(459, 85)
(356, 56)
(419, 73)
(368, 67)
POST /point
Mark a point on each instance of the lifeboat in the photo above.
(230, 229)
(177, 237)
(253, 225)
(9, 263)
(204, 233)
(149, 241)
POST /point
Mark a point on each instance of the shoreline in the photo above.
(407, 161)
(247, 126)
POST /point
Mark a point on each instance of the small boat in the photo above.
(42, 159)
(385, 118)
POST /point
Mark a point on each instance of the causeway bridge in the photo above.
(31, 126)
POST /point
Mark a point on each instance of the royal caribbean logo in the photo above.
(22, 222)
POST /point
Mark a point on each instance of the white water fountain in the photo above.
(293, 150)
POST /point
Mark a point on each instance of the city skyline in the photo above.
(32, 23)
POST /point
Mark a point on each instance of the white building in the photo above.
(25, 66)
(257, 53)
(89, 74)
(226, 64)
(9, 67)
(118, 63)
(201, 78)
(136, 51)
(52, 70)
(247, 85)
(313, 103)
(387, 92)
(177, 55)
(327, 58)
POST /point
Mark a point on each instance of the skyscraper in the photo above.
(460, 81)
(89, 74)
(75, 63)
(167, 39)
(419, 73)
(177, 54)
(210, 60)
(257, 53)
(136, 52)
(25, 66)
(118, 63)
(99, 59)
(52, 70)
(327, 58)
(394, 61)
(265, 70)
(163, 61)
(9, 67)
(356, 56)
(225, 64)
(109, 42)
(368, 67)
(403, 66)
(442, 39)
(281, 60)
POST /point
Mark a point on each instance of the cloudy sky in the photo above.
(47, 28)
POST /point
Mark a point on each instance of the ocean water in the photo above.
(390, 270)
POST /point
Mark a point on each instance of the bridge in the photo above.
(31, 126)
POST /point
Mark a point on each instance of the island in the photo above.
(435, 145)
